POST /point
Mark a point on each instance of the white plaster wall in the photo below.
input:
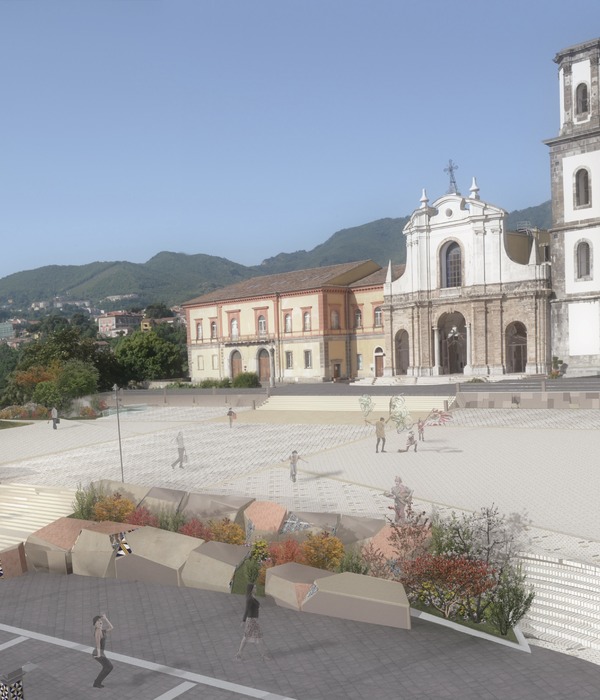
(570, 165)
(584, 328)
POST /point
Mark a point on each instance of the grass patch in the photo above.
(240, 581)
(481, 626)
(5, 424)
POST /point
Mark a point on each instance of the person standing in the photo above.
(252, 631)
(294, 459)
(101, 627)
(231, 415)
(421, 429)
(54, 414)
(379, 433)
(410, 441)
(181, 456)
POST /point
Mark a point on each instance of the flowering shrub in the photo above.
(446, 582)
(196, 528)
(260, 550)
(284, 552)
(87, 412)
(323, 551)
(226, 531)
(143, 517)
(116, 508)
(28, 412)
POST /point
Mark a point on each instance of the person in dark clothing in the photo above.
(101, 627)
(252, 631)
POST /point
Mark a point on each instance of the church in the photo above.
(474, 298)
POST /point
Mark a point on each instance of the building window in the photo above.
(359, 361)
(357, 318)
(377, 317)
(582, 188)
(308, 359)
(262, 325)
(287, 323)
(200, 362)
(199, 330)
(215, 362)
(335, 320)
(306, 321)
(581, 99)
(583, 256)
(235, 328)
(289, 359)
(453, 265)
(213, 329)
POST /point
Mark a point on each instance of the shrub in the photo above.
(246, 380)
(253, 569)
(85, 501)
(354, 562)
(260, 550)
(87, 412)
(143, 517)
(99, 405)
(115, 507)
(170, 520)
(196, 528)
(226, 531)
(511, 601)
(215, 383)
(284, 552)
(323, 551)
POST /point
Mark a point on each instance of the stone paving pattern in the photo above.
(521, 460)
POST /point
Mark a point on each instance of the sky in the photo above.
(246, 128)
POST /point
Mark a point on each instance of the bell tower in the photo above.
(575, 182)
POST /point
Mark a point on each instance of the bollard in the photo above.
(11, 685)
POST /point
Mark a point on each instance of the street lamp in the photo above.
(116, 390)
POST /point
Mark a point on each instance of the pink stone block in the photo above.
(265, 516)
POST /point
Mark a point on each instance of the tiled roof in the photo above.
(378, 277)
(286, 282)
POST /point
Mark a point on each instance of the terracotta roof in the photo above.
(378, 277)
(294, 281)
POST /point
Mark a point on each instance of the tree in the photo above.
(158, 310)
(77, 378)
(146, 356)
(86, 325)
(512, 600)
(9, 358)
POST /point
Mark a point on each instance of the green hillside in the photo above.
(175, 277)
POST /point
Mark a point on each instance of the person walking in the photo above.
(101, 627)
(252, 630)
(379, 433)
(55, 418)
(294, 459)
(231, 415)
(181, 455)
(410, 441)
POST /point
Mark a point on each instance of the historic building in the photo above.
(474, 297)
(575, 174)
(308, 325)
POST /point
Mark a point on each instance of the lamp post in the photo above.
(116, 390)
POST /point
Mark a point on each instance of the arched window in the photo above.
(306, 321)
(582, 188)
(357, 318)
(335, 320)
(235, 329)
(453, 265)
(287, 323)
(377, 317)
(199, 330)
(262, 325)
(213, 329)
(581, 99)
(583, 257)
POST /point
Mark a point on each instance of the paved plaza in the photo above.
(181, 642)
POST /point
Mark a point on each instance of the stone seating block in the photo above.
(93, 554)
(354, 530)
(266, 517)
(289, 584)
(158, 500)
(13, 561)
(206, 506)
(212, 565)
(157, 556)
(361, 598)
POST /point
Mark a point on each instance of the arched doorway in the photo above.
(402, 354)
(264, 366)
(236, 363)
(378, 362)
(453, 343)
(516, 348)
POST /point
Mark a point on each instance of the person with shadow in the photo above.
(101, 627)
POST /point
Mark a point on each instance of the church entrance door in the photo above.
(516, 348)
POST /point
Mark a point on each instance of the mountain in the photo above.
(175, 277)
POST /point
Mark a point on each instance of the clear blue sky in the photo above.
(251, 127)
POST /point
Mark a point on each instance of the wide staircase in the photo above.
(25, 508)
(566, 608)
(334, 404)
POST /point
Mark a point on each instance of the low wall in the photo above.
(528, 399)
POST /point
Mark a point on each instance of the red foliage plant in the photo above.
(446, 582)
(196, 528)
(143, 517)
(284, 552)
